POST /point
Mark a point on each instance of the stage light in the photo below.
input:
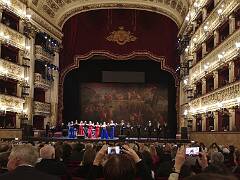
(185, 113)
(219, 12)
(28, 16)
(237, 45)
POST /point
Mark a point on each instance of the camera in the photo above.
(114, 150)
(192, 151)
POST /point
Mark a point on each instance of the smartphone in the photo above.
(114, 150)
(192, 151)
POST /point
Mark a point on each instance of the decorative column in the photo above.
(204, 13)
(204, 49)
(19, 90)
(20, 56)
(194, 123)
(1, 11)
(194, 26)
(216, 37)
(232, 24)
(21, 26)
(54, 91)
(232, 120)
(30, 74)
(204, 88)
(215, 76)
(204, 119)
(215, 114)
(231, 67)
(18, 121)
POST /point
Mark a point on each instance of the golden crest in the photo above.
(121, 36)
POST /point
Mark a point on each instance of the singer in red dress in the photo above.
(97, 130)
(81, 131)
(90, 127)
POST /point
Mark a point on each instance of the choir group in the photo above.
(91, 130)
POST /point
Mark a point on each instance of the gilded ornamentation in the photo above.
(39, 82)
(35, 2)
(61, 3)
(229, 47)
(41, 108)
(121, 36)
(227, 94)
(53, 5)
(11, 70)
(213, 21)
(11, 103)
(15, 38)
(49, 11)
(158, 9)
(50, 28)
(43, 55)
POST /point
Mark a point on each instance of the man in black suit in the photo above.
(21, 165)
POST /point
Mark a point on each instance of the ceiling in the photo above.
(57, 12)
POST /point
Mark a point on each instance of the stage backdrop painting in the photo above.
(134, 103)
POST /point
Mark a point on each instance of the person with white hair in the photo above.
(21, 164)
(49, 164)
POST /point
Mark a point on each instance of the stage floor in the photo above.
(116, 139)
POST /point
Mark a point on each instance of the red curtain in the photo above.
(86, 32)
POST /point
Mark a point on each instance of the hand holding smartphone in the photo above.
(114, 150)
(192, 151)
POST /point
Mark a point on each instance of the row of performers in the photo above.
(91, 130)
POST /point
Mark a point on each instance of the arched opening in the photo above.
(87, 97)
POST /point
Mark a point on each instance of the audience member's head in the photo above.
(24, 154)
(217, 158)
(206, 176)
(217, 169)
(89, 156)
(78, 147)
(119, 167)
(47, 152)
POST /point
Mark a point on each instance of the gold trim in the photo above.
(121, 36)
(92, 7)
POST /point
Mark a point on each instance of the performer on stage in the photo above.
(85, 128)
(112, 129)
(122, 127)
(81, 131)
(97, 130)
(138, 131)
(71, 130)
(149, 129)
(76, 127)
(90, 128)
(129, 129)
(47, 129)
(104, 134)
(159, 130)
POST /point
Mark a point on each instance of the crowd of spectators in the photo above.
(81, 160)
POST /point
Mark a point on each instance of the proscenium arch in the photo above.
(136, 59)
(163, 10)
(110, 56)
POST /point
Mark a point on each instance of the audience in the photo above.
(21, 165)
(147, 161)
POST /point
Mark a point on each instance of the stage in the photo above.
(116, 139)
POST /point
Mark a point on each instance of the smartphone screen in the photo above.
(192, 151)
(114, 150)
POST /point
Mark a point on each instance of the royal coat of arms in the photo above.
(121, 36)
